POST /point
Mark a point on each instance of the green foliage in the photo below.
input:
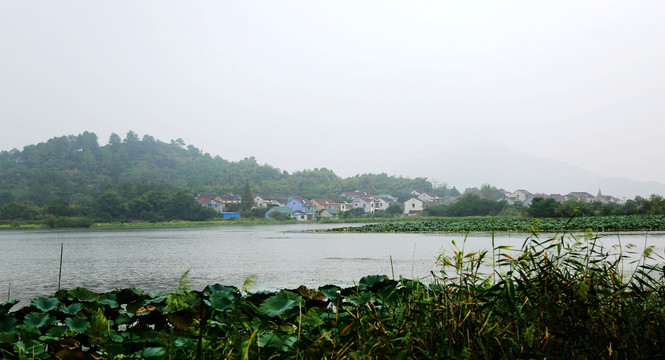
(486, 224)
(468, 205)
(395, 209)
(247, 199)
(353, 213)
(559, 297)
(543, 208)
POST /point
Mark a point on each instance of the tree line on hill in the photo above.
(146, 179)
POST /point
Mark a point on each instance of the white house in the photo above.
(380, 204)
(413, 206)
(521, 195)
(364, 203)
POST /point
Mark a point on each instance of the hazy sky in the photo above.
(353, 86)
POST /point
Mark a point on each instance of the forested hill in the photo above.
(78, 169)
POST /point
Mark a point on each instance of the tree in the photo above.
(114, 139)
(575, 208)
(473, 205)
(543, 208)
(394, 209)
(247, 199)
(655, 205)
(59, 207)
(20, 211)
(110, 204)
(353, 213)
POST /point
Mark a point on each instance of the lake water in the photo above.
(279, 256)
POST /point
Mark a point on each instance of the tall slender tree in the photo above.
(247, 199)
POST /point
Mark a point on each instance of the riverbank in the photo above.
(576, 302)
(145, 225)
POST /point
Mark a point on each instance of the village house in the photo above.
(208, 201)
(277, 210)
(558, 197)
(426, 197)
(413, 206)
(521, 195)
(388, 197)
(229, 199)
(325, 203)
(510, 200)
(344, 206)
(300, 216)
(380, 204)
(329, 214)
(580, 196)
(264, 201)
(364, 203)
(606, 199)
(297, 203)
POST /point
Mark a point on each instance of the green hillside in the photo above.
(70, 174)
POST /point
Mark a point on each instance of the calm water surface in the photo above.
(279, 256)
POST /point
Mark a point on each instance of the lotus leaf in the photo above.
(109, 300)
(280, 303)
(57, 331)
(82, 294)
(7, 325)
(217, 287)
(78, 324)
(72, 309)
(5, 307)
(330, 291)
(38, 319)
(360, 299)
(368, 282)
(45, 304)
(115, 336)
(221, 299)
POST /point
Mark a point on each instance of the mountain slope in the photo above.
(475, 164)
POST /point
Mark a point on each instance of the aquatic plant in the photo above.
(594, 223)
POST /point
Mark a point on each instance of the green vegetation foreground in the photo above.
(558, 298)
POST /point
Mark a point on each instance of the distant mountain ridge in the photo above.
(496, 165)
